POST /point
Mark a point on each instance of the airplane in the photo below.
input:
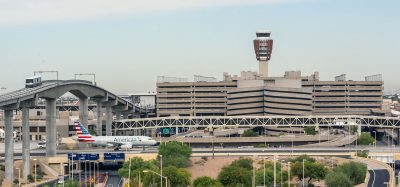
(117, 142)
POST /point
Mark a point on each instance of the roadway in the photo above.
(378, 178)
(245, 149)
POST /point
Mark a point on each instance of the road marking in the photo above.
(373, 181)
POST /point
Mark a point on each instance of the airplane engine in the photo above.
(110, 145)
(126, 146)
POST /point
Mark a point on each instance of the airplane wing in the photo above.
(115, 143)
(119, 144)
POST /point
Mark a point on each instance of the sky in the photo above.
(128, 43)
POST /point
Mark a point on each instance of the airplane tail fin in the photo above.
(82, 133)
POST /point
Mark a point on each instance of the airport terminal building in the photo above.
(287, 95)
(256, 93)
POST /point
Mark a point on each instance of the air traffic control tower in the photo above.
(263, 49)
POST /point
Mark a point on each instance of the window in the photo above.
(32, 129)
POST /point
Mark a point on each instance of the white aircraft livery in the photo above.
(124, 142)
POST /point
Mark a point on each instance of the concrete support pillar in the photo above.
(83, 111)
(9, 148)
(51, 130)
(398, 137)
(117, 115)
(109, 118)
(99, 125)
(25, 143)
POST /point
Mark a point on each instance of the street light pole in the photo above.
(165, 177)
(161, 167)
(292, 143)
(375, 138)
(265, 140)
(129, 171)
(34, 161)
(282, 172)
(274, 170)
(63, 175)
(41, 72)
(264, 170)
(303, 173)
(19, 177)
(90, 74)
(288, 174)
(254, 175)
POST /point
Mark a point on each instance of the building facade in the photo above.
(267, 100)
(192, 98)
(346, 97)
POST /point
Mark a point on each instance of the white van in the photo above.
(41, 145)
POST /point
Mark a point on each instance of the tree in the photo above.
(246, 163)
(177, 177)
(312, 170)
(138, 165)
(269, 174)
(365, 139)
(175, 154)
(233, 175)
(72, 183)
(249, 133)
(354, 170)
(301, 158)
(310, 130)
(338, 179)
(206, 181)
(238, 172)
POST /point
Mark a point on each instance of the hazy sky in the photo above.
(127, 43)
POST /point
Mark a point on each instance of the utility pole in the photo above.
(41, 72)
(88, 74)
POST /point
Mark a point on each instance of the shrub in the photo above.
(338, 179)
(237, 173)
(175, 154)
(310, 130)
(249, 133)
(206, 182)
(31, 178)
(365, 139)
(354, 170)
(362, 154)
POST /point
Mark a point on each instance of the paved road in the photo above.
(113, 179)
(378, 178)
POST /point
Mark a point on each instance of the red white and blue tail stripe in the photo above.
(82, 133)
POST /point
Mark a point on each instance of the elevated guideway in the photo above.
(26, 98)
(257, 121)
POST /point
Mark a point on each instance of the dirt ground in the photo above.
(210, 168)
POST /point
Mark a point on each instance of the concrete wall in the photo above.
(269, 101)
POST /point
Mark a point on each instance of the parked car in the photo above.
(41, 145)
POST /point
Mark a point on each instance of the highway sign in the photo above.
(73, 156)
(83, 156)
(166, 131)
(114, 156)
